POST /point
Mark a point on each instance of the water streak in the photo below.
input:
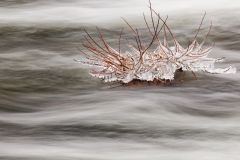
(51, 108)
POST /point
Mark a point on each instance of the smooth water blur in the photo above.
(52, 109)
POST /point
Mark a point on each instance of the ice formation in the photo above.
(144, 65)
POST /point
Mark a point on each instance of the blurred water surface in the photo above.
(52, 109)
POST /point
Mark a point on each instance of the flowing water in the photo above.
(52, 109)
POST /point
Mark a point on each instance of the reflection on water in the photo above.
(51, 108)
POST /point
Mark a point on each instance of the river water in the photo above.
(52, 109)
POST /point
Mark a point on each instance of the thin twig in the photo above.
(120, 40)
(200, 25)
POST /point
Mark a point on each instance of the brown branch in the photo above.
(152, 16)
(139, 39)
(188, 45)
(200, 25)
(109, 51)
(93, 50)
(165, 37)
(195, 75)
(133, 30)
(132, 45)
(128, 25)
(147, 24)
(95, 41)
(83, 52)
(88, 41)
(119, 40)
(138, 46)
(102, 39)
(206, 35)
(154, 37)
(157, 33)
(174, 39)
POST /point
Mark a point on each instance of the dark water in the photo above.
(52, 109)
